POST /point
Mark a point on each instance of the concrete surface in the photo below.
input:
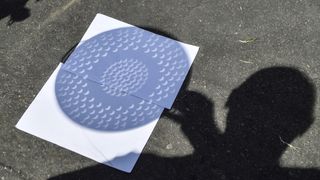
(234, 120)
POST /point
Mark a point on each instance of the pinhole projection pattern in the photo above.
(121, 79)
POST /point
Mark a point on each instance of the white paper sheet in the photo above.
(104, 102)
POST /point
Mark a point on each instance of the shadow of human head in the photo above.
(266, 113)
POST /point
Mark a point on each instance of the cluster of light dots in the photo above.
(124, 77)
(77, 101)
(120, 79)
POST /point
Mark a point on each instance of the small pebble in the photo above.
(169, 146)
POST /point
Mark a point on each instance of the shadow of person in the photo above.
(15, 9)
(266, 113)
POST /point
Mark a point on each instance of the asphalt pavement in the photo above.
(249, 108)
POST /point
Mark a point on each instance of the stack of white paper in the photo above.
(104, 102)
